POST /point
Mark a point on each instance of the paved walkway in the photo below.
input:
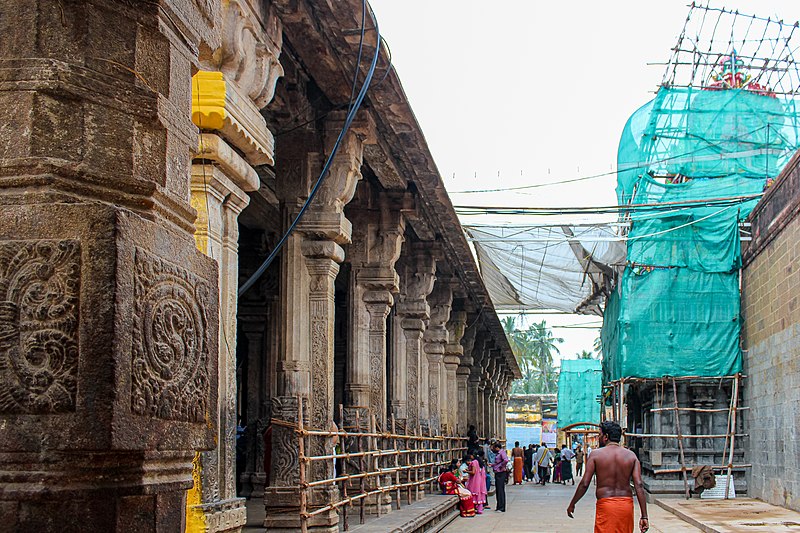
(535, 509)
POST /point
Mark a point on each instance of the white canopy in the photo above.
(560, 268)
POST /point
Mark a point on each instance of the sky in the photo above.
(514, 92)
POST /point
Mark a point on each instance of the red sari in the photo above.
(451, 486)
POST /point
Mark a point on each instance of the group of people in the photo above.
(539, 463)
(472, 476)
(613, 466)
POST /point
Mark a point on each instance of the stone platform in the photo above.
(732, 516)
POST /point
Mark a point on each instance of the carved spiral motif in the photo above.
(174, 326)
(169, 373)
(39, 287)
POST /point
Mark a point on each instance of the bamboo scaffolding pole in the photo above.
(376, 463)
(714, 467)
(302, 465)
(361, 468)
(675, 436)
(396, 464)
(732, 430)
(694, 409)
(345, 522)
(680, 442)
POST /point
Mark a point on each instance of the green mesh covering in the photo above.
(580, 383)
(675, 311)
(702, 133)
(672, 322)
(703, 238)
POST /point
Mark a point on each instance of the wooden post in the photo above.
(301, 458)
(396, 463)
(361, 468)
(343, 462)
(732, 430)
(376, 463)
(680, 441)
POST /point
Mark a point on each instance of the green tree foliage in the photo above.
(534, 349)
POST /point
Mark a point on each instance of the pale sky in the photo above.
(513, 92)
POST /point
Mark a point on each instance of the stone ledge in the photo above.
(431, 514)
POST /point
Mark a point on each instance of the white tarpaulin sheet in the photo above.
(552, 268)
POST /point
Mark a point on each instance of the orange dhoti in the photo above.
(517, 470)
(614, 515)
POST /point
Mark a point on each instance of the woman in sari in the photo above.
(477, 481)
(452, 485)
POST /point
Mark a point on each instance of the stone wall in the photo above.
(771, 281)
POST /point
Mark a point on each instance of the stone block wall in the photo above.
(771, 288)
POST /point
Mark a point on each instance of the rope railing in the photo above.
(369, 465)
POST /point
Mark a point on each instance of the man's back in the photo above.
(613, 466)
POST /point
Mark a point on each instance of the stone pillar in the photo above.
(218, 195)
(435, 339)
(239, 80)
(377, 240)
(108, 313)
(309, 265)
(474, 395)
(453, 352)
(462, 381)
(417, 276)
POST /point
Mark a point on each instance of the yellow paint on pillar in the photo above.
(208, 100)
(201, 225)
(195, 518)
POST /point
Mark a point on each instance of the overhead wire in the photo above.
(353, 109)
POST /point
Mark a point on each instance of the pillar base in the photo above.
(94, 491)
(283, 512)
(227, 516)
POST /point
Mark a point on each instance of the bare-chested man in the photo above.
(614, 467)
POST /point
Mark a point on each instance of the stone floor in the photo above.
(535, 509)
(733, 516)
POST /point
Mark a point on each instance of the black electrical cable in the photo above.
(348, 121)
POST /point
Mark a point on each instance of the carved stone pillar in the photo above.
(474, 397)
(435, 339)
(453, 353)
(462, 381)
(218, 195)
(239, 80)
(417, 276)
(108, 313)
(377, 240)
(309, 265)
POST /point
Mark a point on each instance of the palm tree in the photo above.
(534, 349)
(598, 347)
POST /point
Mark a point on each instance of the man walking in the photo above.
(614, 466)
(543, 458)
(500, 475)
(579, 455)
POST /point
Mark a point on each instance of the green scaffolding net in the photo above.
(704, 157)
(580, 385)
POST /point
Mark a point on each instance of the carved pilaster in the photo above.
(453, 353)
(417, 277)
(435, 339)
